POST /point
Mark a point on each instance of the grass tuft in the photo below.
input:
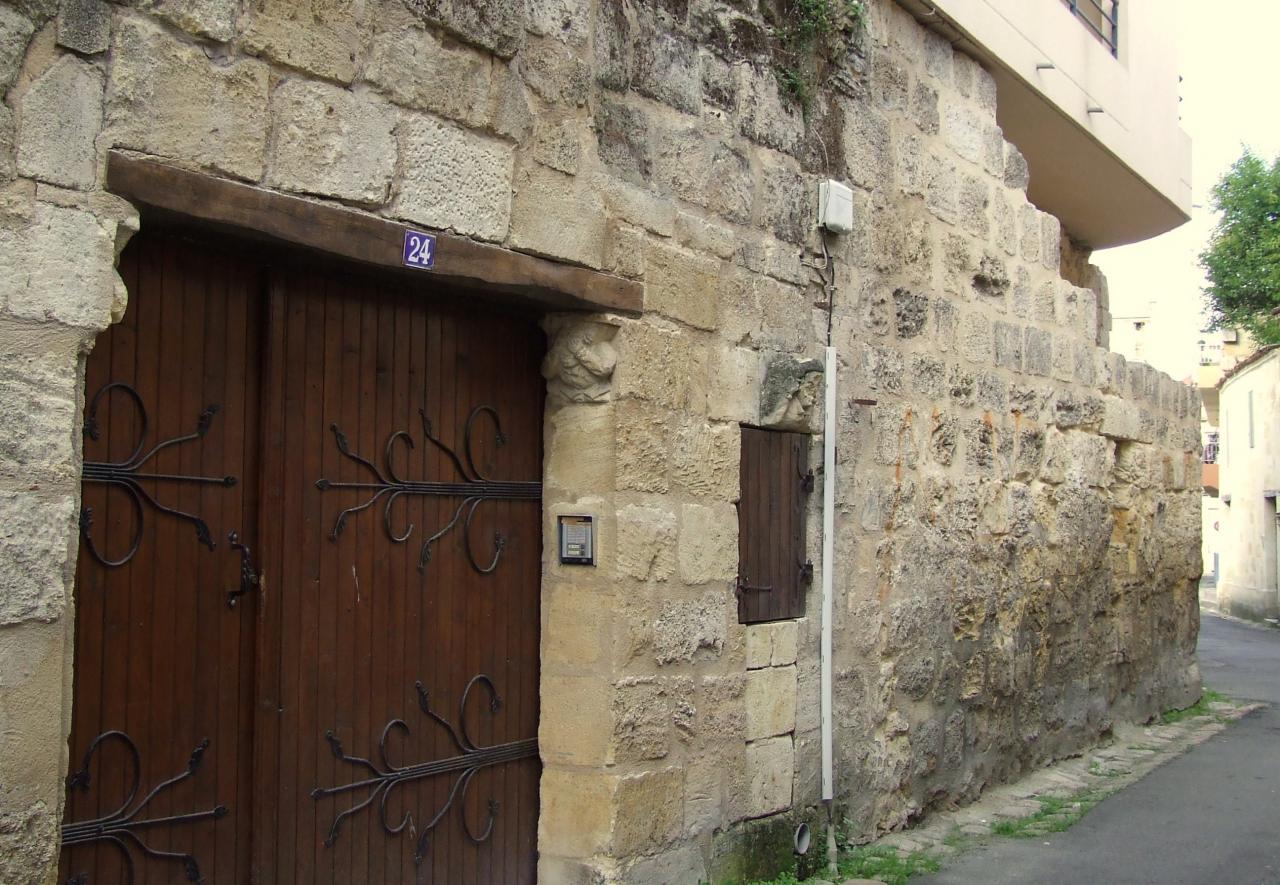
(1199, 708)
(886, 864)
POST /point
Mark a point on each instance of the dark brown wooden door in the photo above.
(386, 447)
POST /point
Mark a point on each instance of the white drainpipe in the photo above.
(828, 585)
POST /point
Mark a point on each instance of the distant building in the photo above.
(1249, 465)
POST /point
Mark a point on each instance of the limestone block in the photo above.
(963, 130)
(15, 31)
(975, 197)
(975, 337)
(576, 727)
(563, 19)
(646, 712)
(35, 545)
(708, 548)
(558, 216)
(682, 285)
(1078, 457)
(704, 169)
(786, 204)
(868, 148)
(576, 812)
(1051, 242)
(84, 26)
(649, 811)
(689, 629)
(6, 146)
(576, 633)
(770, 702)
(770, 772)
(759, 646)
(659, 364)
(580, 361)
(786, 640)
(556, 145)
(554, 72)
(62, 267)
(645, 439)
(495, 25)
(634, 205)
(646, 542)
(60, 114)
(707, 458)
(38, 408)
(938, 56)
(331, 142)
(418, 70)
(1031, 233)
(456, 179)
(667, 69)
(509, 112)
(321, 37)
(29, 842)
(1017, 174)
(209, 18)
(580, 448)
(1122, 420)
(680, 866)
(734, 385)
(1008, 345)
(767, 116)
(169, 99)
(923, 109)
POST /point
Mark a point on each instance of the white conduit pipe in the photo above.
(828, 586)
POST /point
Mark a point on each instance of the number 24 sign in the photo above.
(419, 250)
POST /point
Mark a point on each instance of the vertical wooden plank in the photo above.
(269, 832)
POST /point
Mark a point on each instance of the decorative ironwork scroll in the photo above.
(474, 488)
(125, 475)
(385, 776)
(122, 826)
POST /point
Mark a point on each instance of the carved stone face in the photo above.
(579, 366)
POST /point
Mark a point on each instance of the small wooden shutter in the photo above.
(773, 571)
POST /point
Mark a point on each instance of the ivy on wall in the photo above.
(809, 36)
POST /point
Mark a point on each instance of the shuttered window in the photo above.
(773, 571)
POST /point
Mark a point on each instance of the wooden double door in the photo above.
(306, 644)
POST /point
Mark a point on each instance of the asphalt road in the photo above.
(1209, 817)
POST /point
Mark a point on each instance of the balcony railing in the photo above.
(1102, 17)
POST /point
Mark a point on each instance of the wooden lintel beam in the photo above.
(356, 235)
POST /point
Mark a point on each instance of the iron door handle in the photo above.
(248, 577)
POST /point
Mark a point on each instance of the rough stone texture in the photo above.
(1016, 551)
(330, 142)
(84, 25)
(34, 539)
(454, 179)
(320, 37)
(61, 114)
(59, 268)
(169, 99)
(215, 19)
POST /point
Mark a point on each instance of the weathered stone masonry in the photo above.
(1017, 545)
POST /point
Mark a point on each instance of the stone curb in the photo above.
(1133, 753)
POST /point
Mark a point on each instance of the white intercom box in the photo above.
(835, 207)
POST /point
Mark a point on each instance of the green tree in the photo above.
(1243, 258)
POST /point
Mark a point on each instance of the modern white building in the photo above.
(1249, 465)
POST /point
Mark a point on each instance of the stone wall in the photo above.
(1017, 525)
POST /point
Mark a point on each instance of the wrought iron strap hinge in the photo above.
(122, 827)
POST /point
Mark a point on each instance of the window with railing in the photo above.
(1211, 449)
(1102, 17)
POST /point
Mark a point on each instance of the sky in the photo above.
(1227, 52)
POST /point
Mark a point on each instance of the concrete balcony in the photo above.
(1100, 131)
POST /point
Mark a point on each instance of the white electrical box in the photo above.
(835, 207)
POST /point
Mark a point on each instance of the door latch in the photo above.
(741, 587)
(248, 577)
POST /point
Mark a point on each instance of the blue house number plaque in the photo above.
(419, 250)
